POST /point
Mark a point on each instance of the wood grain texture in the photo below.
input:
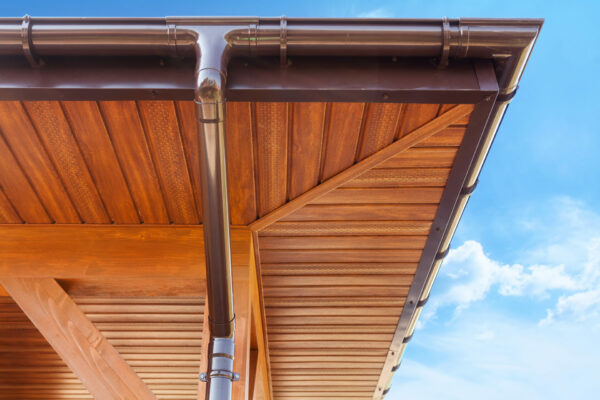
(8, 215)
(341, 242)
(21, 137)
(57, 138)
(417, 115)
(36, 371)
(74, 337)
(127, 135)
(380, 127)
(343, 133)
(240, 163)
(364, 212)
(186, 114)
(272, 161)
(420, 134)
(423, 157)
(95, 145)
(306, 147)
(15, 184)
(162, 130)
(401, 177)
(71, 252)
(350, 228)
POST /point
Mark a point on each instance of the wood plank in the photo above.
(271, 157)
(337, 291)
(306, 147)
(162, 129)
(90, 132)
(351, 228)
(337, 268)
(83, 348)
(242, 308)
(240, 163)
(382, 195)
(21, 137)
(364, 212)
(325, 311)
(343, 133)
(118, 287)
(55, 133)
(258, 315)
(400, 145)
(401, 177)
(341, 242)
(449, 137)
(85, 252)
(126, 133)
(339, 255)
(337, 280)
(417, 115)
(8, 215)
(381, 125)
(17, 191)
(423, 157)
(186, 115)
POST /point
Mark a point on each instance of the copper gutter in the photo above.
(213, 42)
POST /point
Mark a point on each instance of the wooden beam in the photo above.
(429, 129)
(263, 368)
(242, 309)
(107, 251)
(76, 340)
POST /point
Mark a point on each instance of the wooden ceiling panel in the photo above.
(359, 185)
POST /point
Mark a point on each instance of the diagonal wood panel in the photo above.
(420, 134)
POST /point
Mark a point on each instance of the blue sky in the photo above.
(515, 312)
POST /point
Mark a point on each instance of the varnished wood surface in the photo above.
(341, 196)
(78, 342)
(110, 251)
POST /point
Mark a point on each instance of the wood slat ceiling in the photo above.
(160, 337)
(335, 272)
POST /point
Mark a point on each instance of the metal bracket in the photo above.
(445, 43)
(407, 339)
(470, 189)
(507, 97)
(421, 303)
(234, 377)
(442, 254)
(386, 391)
(27, 43)
(395, 367)
(283, 41)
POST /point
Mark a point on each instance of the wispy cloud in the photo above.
(376, 13)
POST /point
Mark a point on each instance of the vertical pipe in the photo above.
(210, 114)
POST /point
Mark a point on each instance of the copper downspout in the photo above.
(213, 41)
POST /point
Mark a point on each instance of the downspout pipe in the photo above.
(213, 42)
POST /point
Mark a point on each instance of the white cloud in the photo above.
(484, 354)
(565, 262)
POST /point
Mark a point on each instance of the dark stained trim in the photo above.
(258, 79)
(468, 152)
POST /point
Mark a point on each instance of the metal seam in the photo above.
(27, 44)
